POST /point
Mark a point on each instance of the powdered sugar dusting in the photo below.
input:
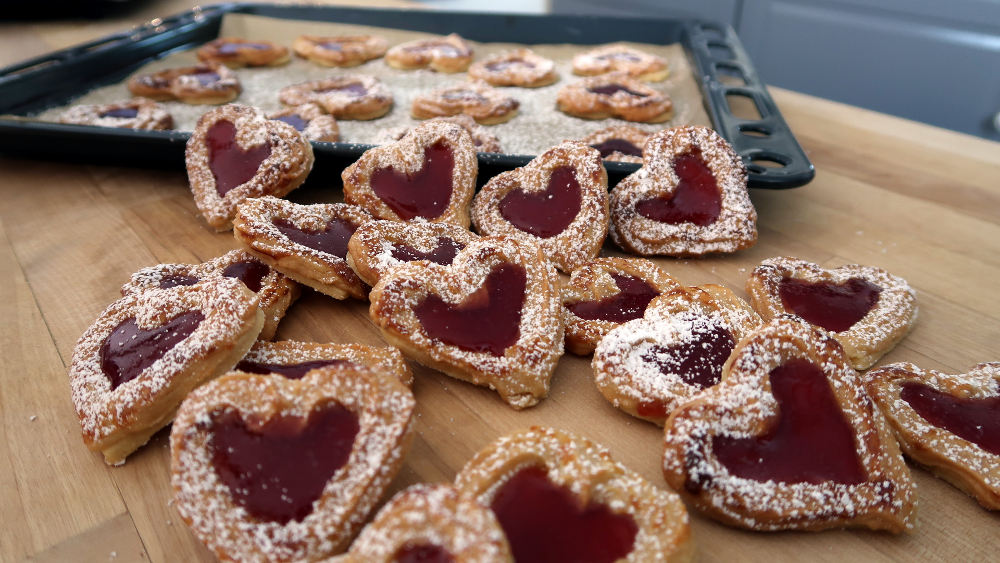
(385, 359)
(149, 115)
(370, 252)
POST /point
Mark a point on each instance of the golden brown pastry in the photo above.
(620, 143)
(485, 104)
(340, 51)
(352, 97)
(295, 359)
(208, 83)
(482, 139)
(621, 58)
(137, 113)
(379, 246)
(236, 53)
(311, 121)
(449, 53)
(614, 95)
(520, 67)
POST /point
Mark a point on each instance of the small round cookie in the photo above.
(520, 67)
(311, 121)
(485, 104)
(621, 58)
(482, 139)
(137, 113)
(379, 246)
(450, 53)
(620, 143)
(236, 53)
(295, 359)
(353, 97)
(204, 84)
(340, 51)
(614, 95)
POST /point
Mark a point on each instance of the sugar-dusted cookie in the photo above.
(620, 143)
(352, 97)
(379, 246)
(614, 95)
(449, 53)
(341, 51)
(789, 440)
(132, 368)
(560, 497)
(621, 58)
(295, 359)
(867, 309)
(482, 139)
(559, 200)
(949, 423)
(208, 83)
(520, 67)
(428, 174)
(236, 53)
(688, 199)
(269, 468)
(307, 243)
(311, 121)
(236, 153)
(491, 318)
(137, 113)
(482, 102)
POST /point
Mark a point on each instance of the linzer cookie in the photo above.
(485, 104)
(236, 53)
(269, 468)
(295, 359)
(132, 368)
(614, 95)
(867, 309)
(311, 121)
(620, 143)
(379, 246)
(428, 174)
(352, 97)
(520, 67)
(621, 58)
(491, 318)
(649, 366)
(137, 113)
(340, 51)
(559, 200)
(560, 497)
(789, 440)
(236, 153)
(482, 139)
(689, 198)
(203, 84)
(450, 53)
(307, 243)
(949, 423)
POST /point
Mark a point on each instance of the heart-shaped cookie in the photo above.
(379, 246)
(482, 138)
(477, 99)
(428, 174)
(137, 113)
(520, 67)
(949, 423)
(309, 120)
(615, 94)
(236, 153)
(235, 52)
(340, 51)
(789, 440)
(450, 53)
(209, 83)
(688, 199)
(354, 97)
(491, 318)
(867, 309)
(619, 57)
(559, 201)
(265, 467)
(295, 359)
(132, 368)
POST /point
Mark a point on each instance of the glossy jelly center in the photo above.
(509, 63)
(123, 113)
(250, 272)
(174, 280)
(545, 522)
(354, 90)
(488, 320)
(629, 303)
(129, 349)
(976, 420)
(291, 371)
(696, 199)
(832, 306)
(295, 120)
(611, 89)
(548, 213)
(422, 553)
(423, 194)
(331, 240)
(611, 146)
(811, 441)
(276, 470)
(444, 253)
(231, 165)
(697, 361)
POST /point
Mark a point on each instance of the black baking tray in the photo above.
(57, 78)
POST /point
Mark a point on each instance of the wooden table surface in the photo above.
(921, 202)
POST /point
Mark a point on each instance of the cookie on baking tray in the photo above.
(236, 53)
(340, 51)
(137, 113)
(269, 468)
(614, 95)
(485, 104)
(352, 97)
(520, 67)
(132, 368)
(203, 84)
(559, 200)
(560, 497)
(307, 243)
(867, 309)
(379, 246)
(620, 143)
(789, 440)
(949, 423)
(482, 139)
(311, 121)
(295, 359)
(688, 199)
(449, 53)
(621, 58)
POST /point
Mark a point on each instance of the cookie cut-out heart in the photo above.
(788, 440)
(379, 246)
(295, 359)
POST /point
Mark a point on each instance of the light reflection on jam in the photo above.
(423, 194)
(444, 253)
(231, 166)
(634, 294)
(835, 307)
(129, 349)
(976, 420)
(696, 199)
(545, 214)
(331, 240)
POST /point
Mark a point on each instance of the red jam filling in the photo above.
(696, 199)
(835, 307)
(611, 146)
(488, 320)
(497, 66)
(129, 350)
(174, 280)
(331, 240)
(444, 253)
(974, 420)
(425, 193)
(295, 120)
(611, 89)
(250, 272)
(698, 361)
(811, 442)
(422, 553)
(291, 371)
(545, 214)
(354, 90)
(278, 468)
(545, 522)
(231, 165)
(123, 113)
(629, 303)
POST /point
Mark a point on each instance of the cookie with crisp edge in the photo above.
(352, 50)
(520, 67)
(484, 103)
(449, 53)
(385, 359)
(356, 97)
(236, 53)
(628, 133)
(208, 83)
(631, 100)
(149, 115)
(371, 252)
(618, 57)
(482, 139)
(319, 126)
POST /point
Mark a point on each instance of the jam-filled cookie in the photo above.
(688, 199)
(614, 95)
(482, 139)
(428, 174)
(559, 200)
(137, 113)
(485, 104)
(340, 51)
(295, 359)
(450, 53)
(275, 291)
(236, 153)
(269, 468)
(949, 423)
(560, 497)
(203, 84)
(621, 58)
(132, 368)
(311, 121)
(491, 318)
(236, 53)
(620, 143)
(520, 67)
(649, 366)
(307, 243)
(379, 246)
(789, 440)
(352, 97)
(867, 309)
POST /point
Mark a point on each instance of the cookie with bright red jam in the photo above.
(379, 246)
(294, 360)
